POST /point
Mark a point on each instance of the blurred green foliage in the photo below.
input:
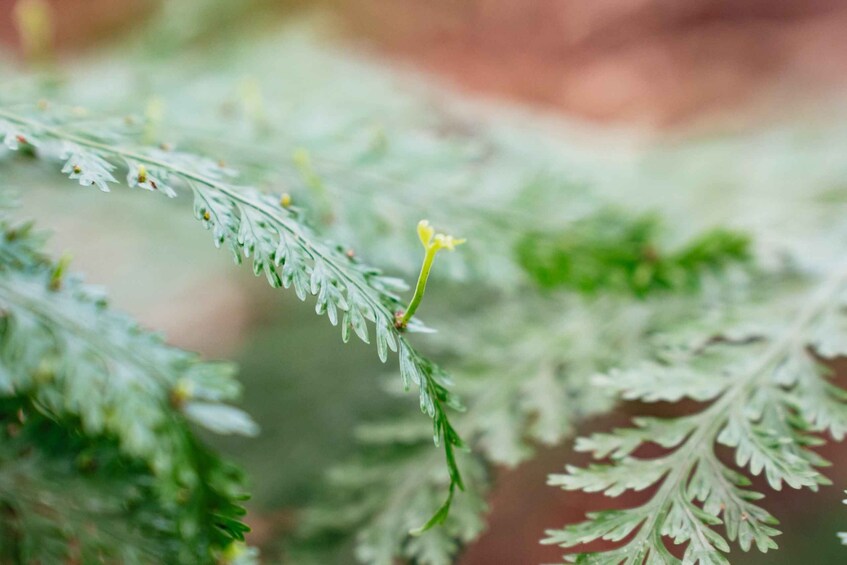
(612, 251)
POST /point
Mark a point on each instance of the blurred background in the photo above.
(650, 63)
(659, 76)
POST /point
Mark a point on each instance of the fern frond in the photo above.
(68, 363)
(386, 156)
(389, 490)
(517, 395)
(48, 499)
(252, 223)
(769, 397)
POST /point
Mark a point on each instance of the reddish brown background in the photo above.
(653, 62)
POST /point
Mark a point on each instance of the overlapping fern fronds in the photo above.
(542, 391)
(258, 225)
(370, 160)
(759, 371)
(136, 486)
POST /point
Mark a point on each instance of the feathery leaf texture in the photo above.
(257, 225)
(68, 363)
(383, 160)
(769, 395)
(387, 491)
(540, 392)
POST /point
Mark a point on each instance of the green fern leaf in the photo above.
(768, 394)
(255, 225)
(96, 430)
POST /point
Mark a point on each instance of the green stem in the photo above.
(420, 287)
